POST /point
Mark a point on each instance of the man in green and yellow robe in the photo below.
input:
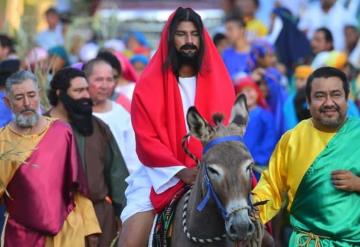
(316, 167)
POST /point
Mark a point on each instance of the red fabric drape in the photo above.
(127, 68)
(157, 112)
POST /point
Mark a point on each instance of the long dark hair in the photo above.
(62, 81)
(183, 14)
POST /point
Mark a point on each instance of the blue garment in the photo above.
(276, 99)
(235, 62)
(353, 111)
(290, 118)
(5, 118)
(139, 36)
(292, 46)
(260, 137)
(50, 38)
(5, 113)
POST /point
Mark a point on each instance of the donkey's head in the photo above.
(227, 165)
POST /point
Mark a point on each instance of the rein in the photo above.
(210, 191)
(208, 185)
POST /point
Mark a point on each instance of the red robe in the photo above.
(157, 111)
(42, 189)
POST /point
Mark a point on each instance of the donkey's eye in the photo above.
(213, 171)
(250, 167)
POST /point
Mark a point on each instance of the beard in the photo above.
(24, 121)
(332, 123)
(79, 113)
(187, 55)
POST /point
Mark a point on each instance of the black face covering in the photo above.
(79, 113)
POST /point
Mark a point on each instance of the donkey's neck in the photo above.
(208, 223)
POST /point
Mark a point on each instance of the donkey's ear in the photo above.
(239, 112)
(198, 126)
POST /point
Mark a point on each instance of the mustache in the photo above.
(28, 110)
(188, 46)
(84, 102)
(326, 108)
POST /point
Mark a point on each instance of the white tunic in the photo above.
(119, 122)
(141, 181)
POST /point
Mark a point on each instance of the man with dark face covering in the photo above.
(103, 163)
(186, 70)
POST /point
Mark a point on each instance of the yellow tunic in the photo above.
(293, 155)
(14, 150)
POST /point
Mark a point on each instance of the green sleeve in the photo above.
(116, 173)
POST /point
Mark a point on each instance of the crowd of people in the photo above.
(119, 159)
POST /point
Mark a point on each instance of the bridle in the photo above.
(210, 190)
(209, 187)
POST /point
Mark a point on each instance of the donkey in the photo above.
(225, 177)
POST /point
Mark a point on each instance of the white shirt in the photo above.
(127, 89)
(164, 178)
(50, 38)
(335, 20)
(119, 122)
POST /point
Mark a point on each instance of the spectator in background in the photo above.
(260, 66)
(236, 56)
(330, 14)
(125, 85)
(322, 40)
(353, 44)
(58, 58)
(221, 42)
(53, 36)
(7, 49)
(116, 47)
(254, 27)
(292, 46)
(7, 68)
(139, 63)
(136, 44)
(260, 136)
(296, 107)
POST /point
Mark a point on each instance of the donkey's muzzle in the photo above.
(238, 229)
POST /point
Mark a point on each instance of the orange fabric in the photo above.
(157, 112)
(303, 71)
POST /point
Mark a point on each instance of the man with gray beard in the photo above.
(35, 173)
